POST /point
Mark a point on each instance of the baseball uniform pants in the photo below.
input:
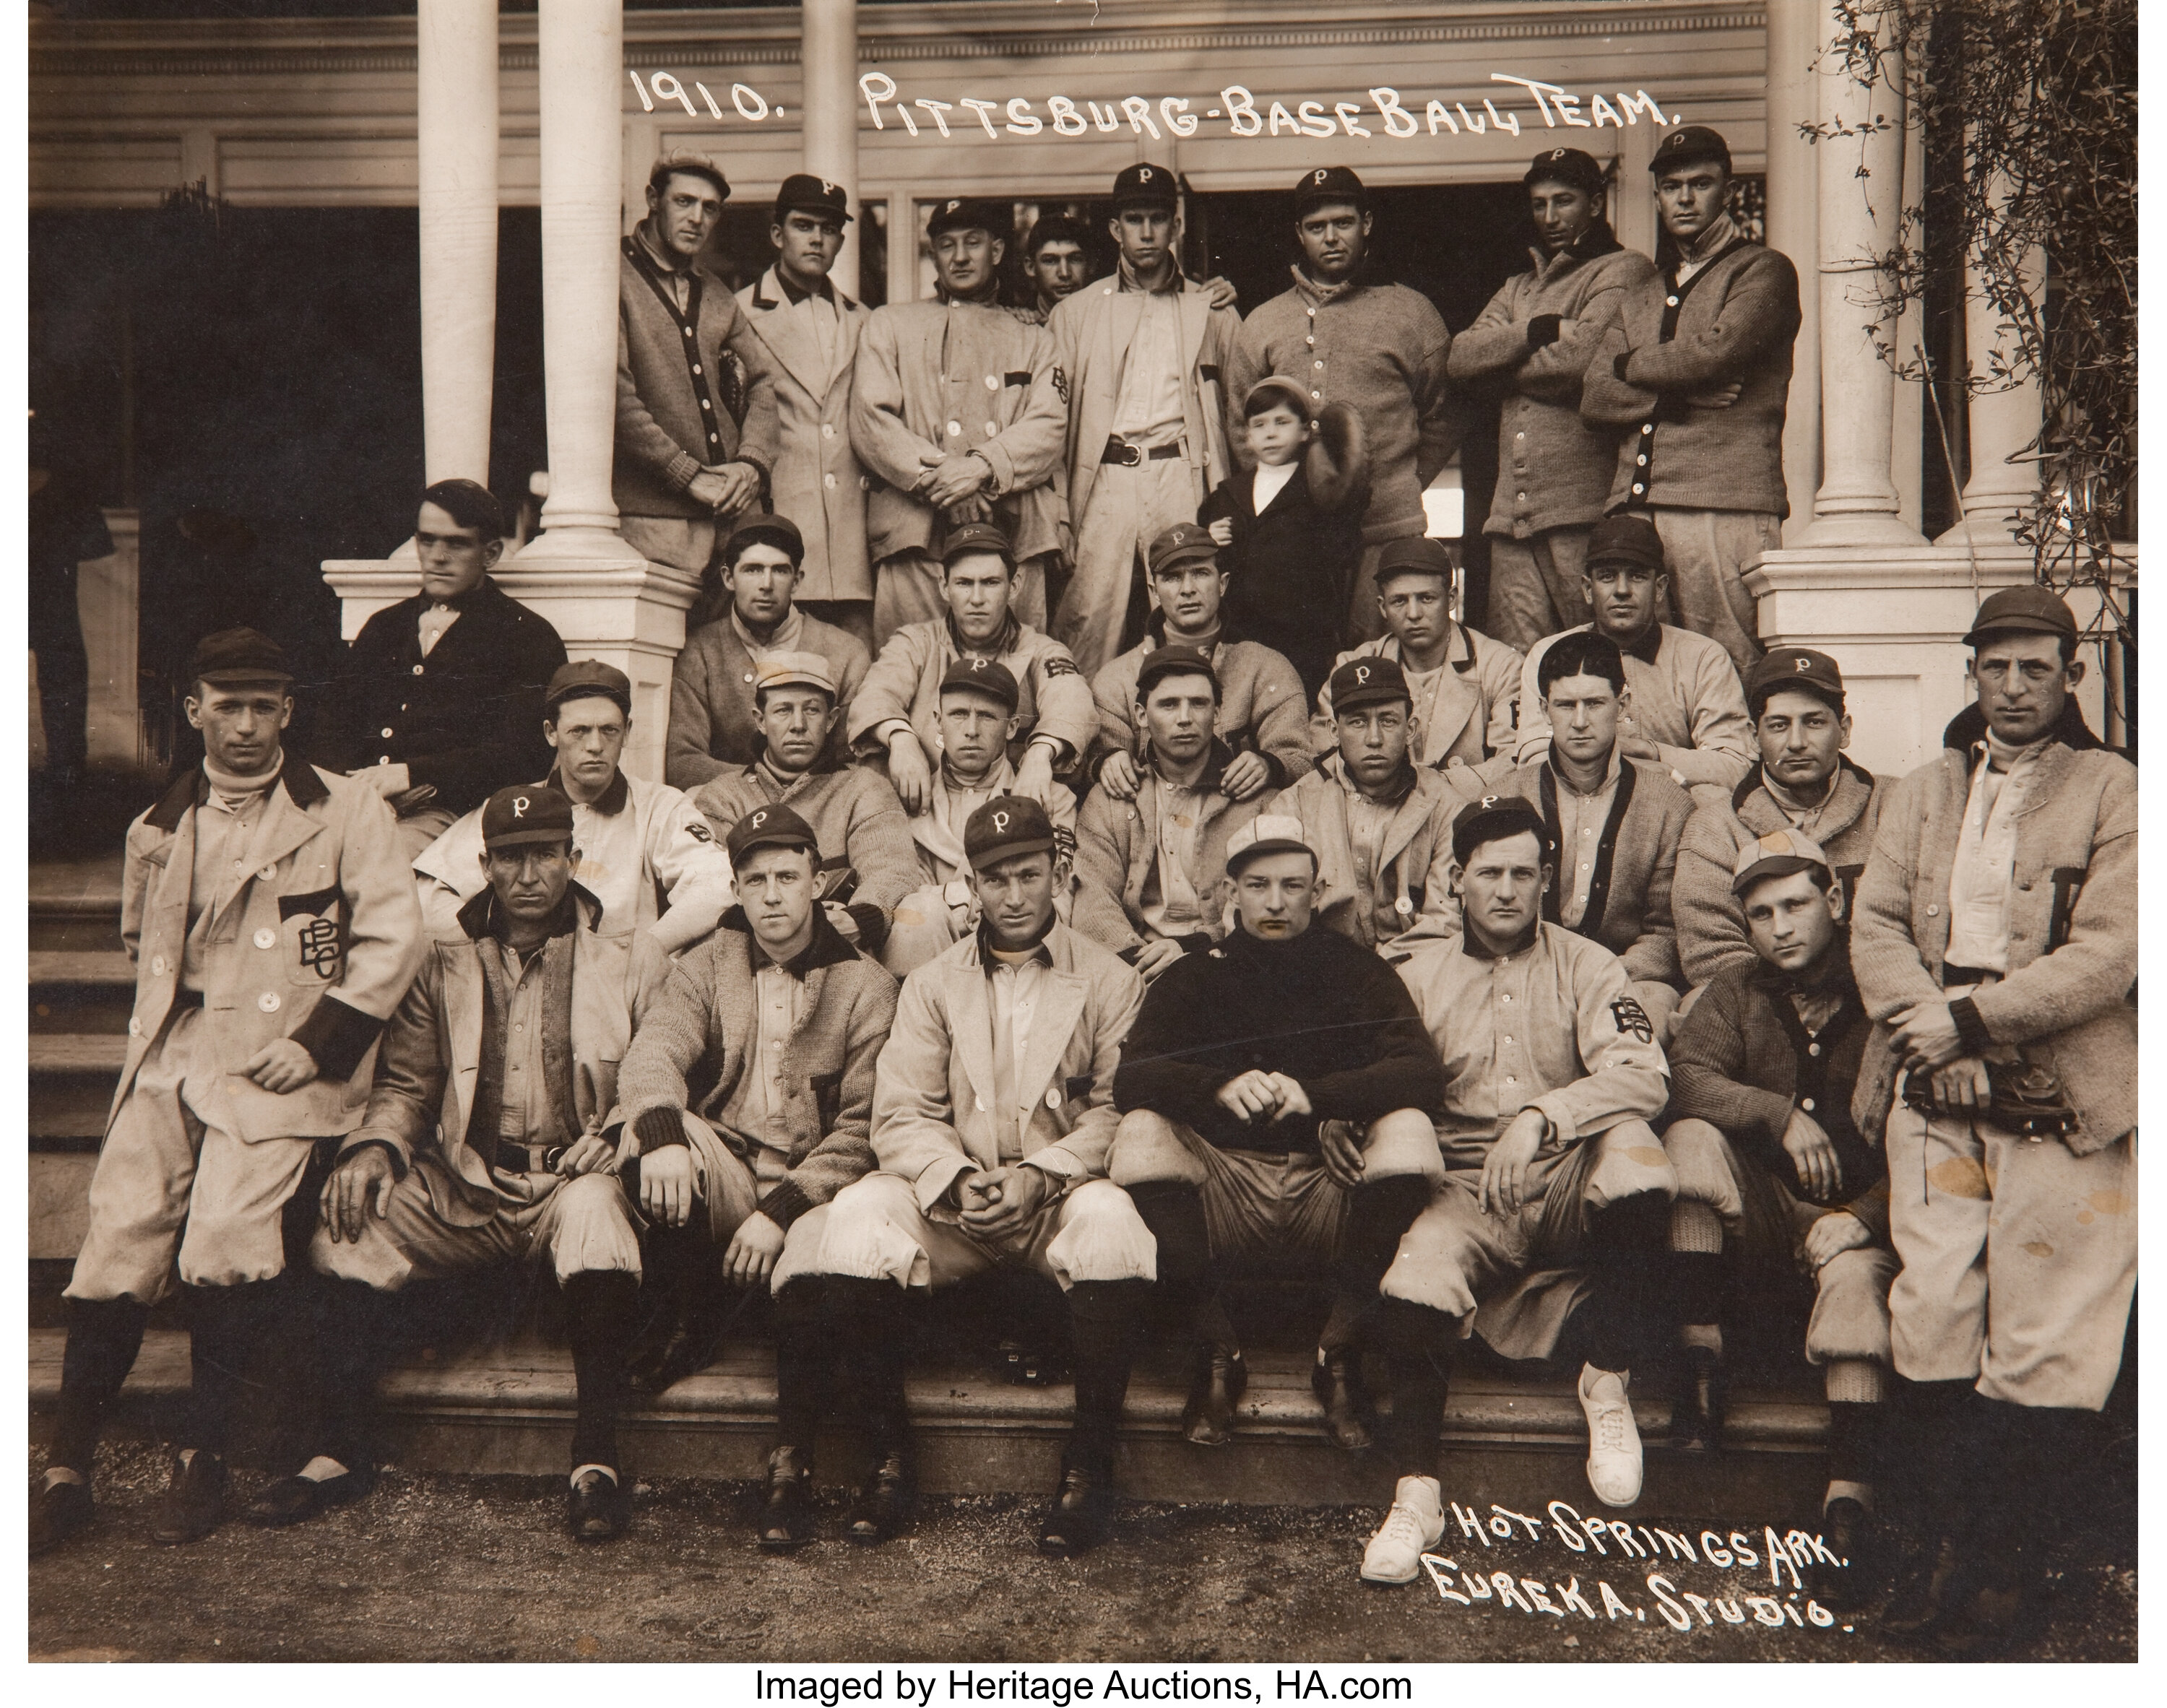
(876, 1231)
(2019, 1259)
(1130, 508)
(1707, 551)
(174, 1178)
(1535, 585)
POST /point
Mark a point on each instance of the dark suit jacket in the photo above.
(467, 718)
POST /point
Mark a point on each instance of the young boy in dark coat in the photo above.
(1290, 529)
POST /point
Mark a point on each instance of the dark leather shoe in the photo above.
(1335, 1379)
(1080, 1517)
(684, 1349)
(1703, 1395)
(788, 1518)
(883, 1505)
(1927, 1594)
(1986, 1623)
(193, 1502)
(1848, 1532)
(1221, 1378)
(597, 1507)
(57, 1511)
(296, 1499)
(1028, 1365)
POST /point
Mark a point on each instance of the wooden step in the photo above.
(96, 969)
(507, 1410)
(78, 1052)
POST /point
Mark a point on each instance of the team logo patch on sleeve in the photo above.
(1061, 382)
(694, 827)
(1058, 667)
(1632, 1018)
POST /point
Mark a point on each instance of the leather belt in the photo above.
(1954, 975)
(529, 1159)
(1129, 456)
(186, 998)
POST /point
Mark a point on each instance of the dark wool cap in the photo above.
(769, 826)
(1795, 667)
(1689, 147)
(1567, 166)
(232, 657)
(1176, 660)
(803, 193)
(1626, 538)
(530, 813)
(987, 676)
(1368, 681)
(1329, 183)
(1144, 185)
(1491, 819)
(585, 676)
(1006, 826)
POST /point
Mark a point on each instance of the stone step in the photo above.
(104, 1053)
(507, 1410)
(70, 969)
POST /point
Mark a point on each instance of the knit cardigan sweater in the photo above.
(712, 719)
(703, 1027)
(2069, 998)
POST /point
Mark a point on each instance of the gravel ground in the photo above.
(457, 1568)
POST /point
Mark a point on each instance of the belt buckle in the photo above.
(1132, 457)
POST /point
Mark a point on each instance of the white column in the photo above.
(1796, 33)
(828, 56)
(1858, 503)
(456, 130)
(2003, 419)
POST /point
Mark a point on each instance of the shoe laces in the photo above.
(1609, 1427)
(1403, 1525)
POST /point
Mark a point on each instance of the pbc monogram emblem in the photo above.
(318, 946)
(1632, 1018)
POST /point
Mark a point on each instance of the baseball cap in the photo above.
(764, 529)
(1368, 681)
(807, 193)
(1776, 855)
(686, 160)
(1414, 555)
(525, 813)
(1687, 145)
(583, 677)
(1491, 819)
(977, 536)
(1006, 826)
(962, 214)
(769, 826)
(1268, 833)
(1625, 538)
(793, 670)
(987, 676)
(1179, 544)
(1795, 667)
(1567, 166)
(2029, 609)
(232, 657)
(1276, 387)
(1329, 183)
(1175, 660)
(1144, 185)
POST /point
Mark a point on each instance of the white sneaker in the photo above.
(1415, 1523)
(1613, 1440)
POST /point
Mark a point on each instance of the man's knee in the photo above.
(1703, 1164)
(1102, 1238)
(1630, 1162)
(1850, 1307)
(1148, 1147)
(1439, 1257)
(1402, 1143)
(922, 927)
(869, 1234)
(594, 1229)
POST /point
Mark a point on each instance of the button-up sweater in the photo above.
(1687, 699)
(712, 719)
(1261, 706)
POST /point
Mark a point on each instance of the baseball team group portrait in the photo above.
(1152, 831)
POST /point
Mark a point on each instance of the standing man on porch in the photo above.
(697, 425)
(811, 332)
(1142, 358)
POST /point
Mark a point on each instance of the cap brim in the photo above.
(1184, 554)
(1269, 845)
(1010, 850)
(767, 682)
(781, 208)
(1775, 866)
(246, 678)
(525, 838)
(774, 838)
(1370, 697)
(2020, 626)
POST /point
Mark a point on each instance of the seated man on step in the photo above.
(991, 1123)
(1552, 1075)
(1248, 1130)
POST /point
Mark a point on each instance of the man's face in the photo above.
(1417, 609)
(1792, 920)
(454, 557)
(976, 586)
(1333, 237)
(796, 719)
(776, 889)
(2023, 685)
(530, 880)
(1277, 434)
(1178, 716)
(1016, 898)
(1275, 894)
(1146, 236)
(761, 583)
(1627, 599)
(589, 736)
(1689, 198)
(686, 211)
(974, 730)
(241, 724)
(1058, 269)
(1373, 741)
(1583, 715)
(1501, 887)
(1189, 592)
(1561, 213)
(1801, 735)
(965, 261)
(806, 245)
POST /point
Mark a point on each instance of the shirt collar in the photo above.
(1126, 274)
(1609, 776)
(1400, 790)
(658, 257)
(796, 966)
(1721, 230)
(460, 601)
(1210, 781)
(1003, 643)
(823, 288)
(1650, 643)
(609, 802)
(1473, 944)
(482, 917)
(989, 963)
(785, 639)
(1789, 802)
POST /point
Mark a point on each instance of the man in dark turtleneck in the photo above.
(1249, 1130)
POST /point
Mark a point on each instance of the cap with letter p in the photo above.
(802, 192)
(1572, 167)
(994, 219)
(525, 814)
(1800, 668)
(1691, 144)
(1005, 826)
(1179, 544)
(1325, 184)
(1267, 833)
(988, 676)
(1145, 185)
(1492, 819)
(769, 826)
(1368, 681)
(1776, 855)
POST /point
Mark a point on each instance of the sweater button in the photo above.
(135, 1026)
(269, 1001)
(158, 964)
(417, 670)
(1807, 1104)
(696, 368)
(1813, 1050)
(954, 429)
(1932, 910)
(1669, 302)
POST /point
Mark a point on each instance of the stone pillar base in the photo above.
(1893, 618)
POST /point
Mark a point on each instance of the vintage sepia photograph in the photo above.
(1048, 849)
